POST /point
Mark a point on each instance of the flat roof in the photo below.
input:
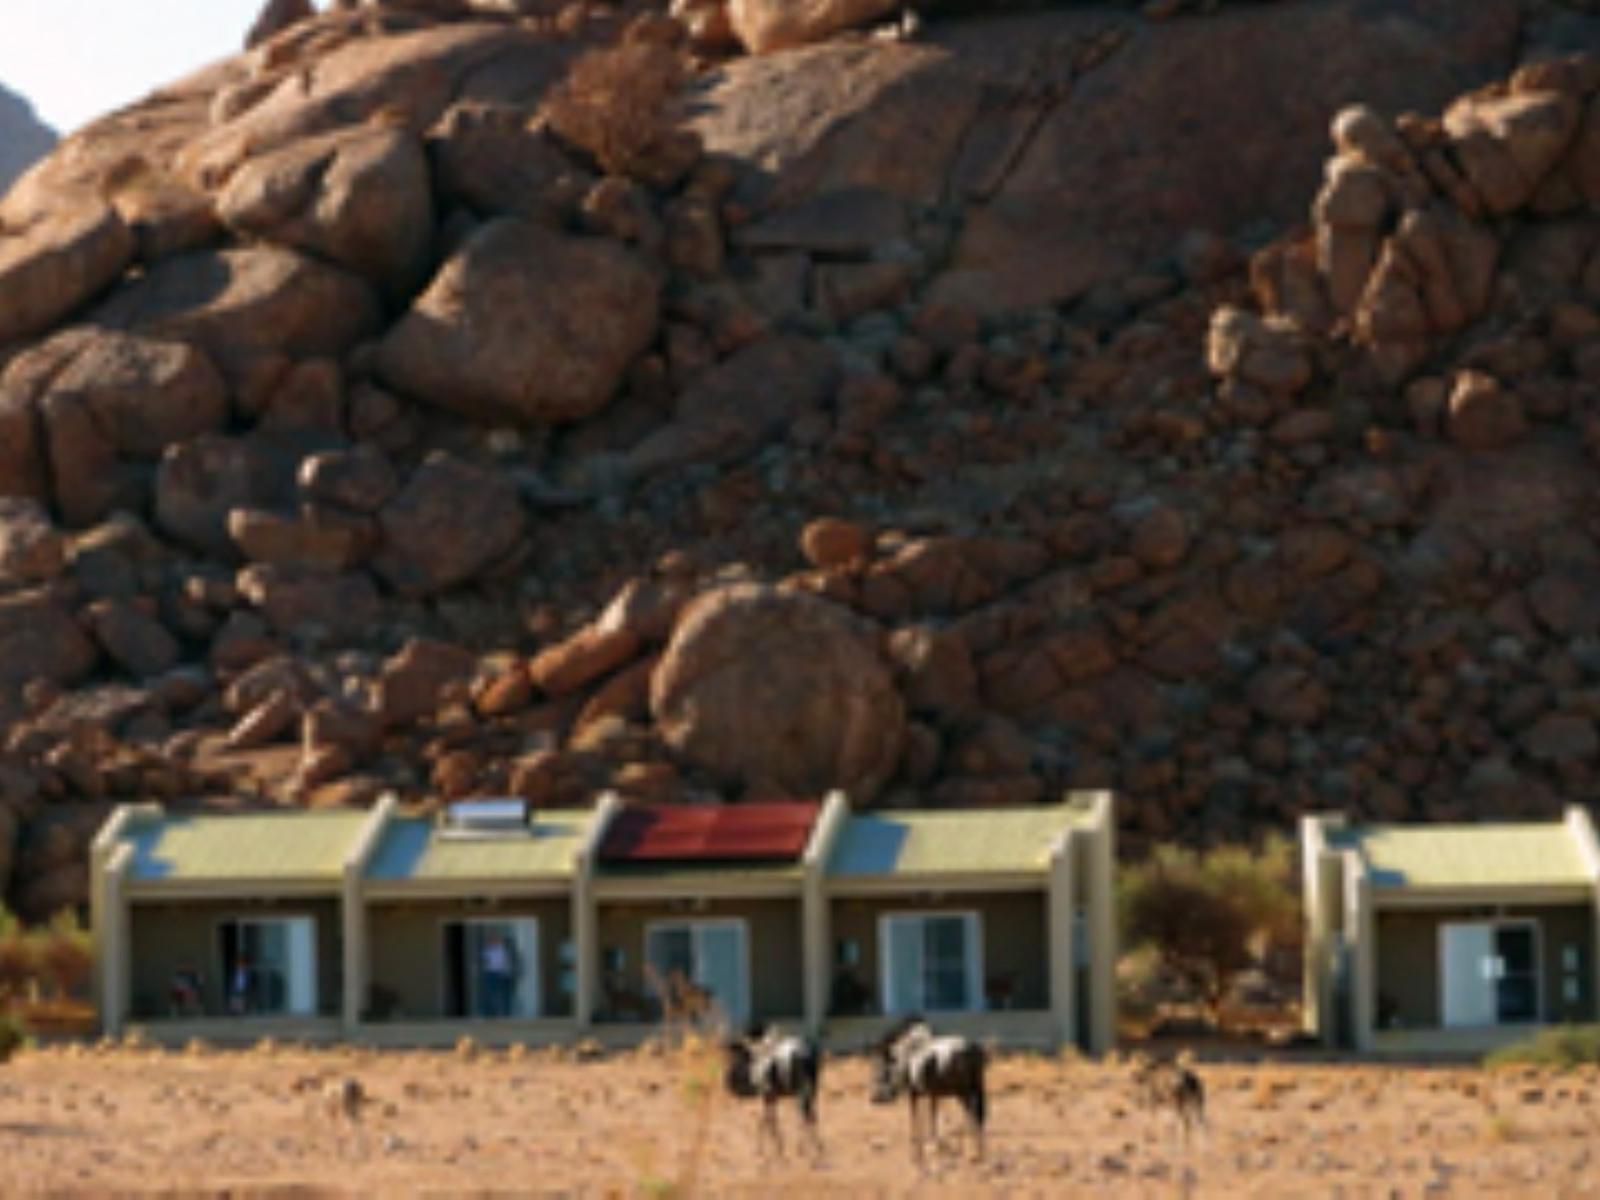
(930, 842)
(222, 847)
(413, 848)
(1508, 855)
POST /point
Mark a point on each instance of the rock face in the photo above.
(40, 640)
(763, 26)
(450, 522)
(51, 268)
(1055, 132)
(779, 692)
(953, 432)
(244, 304)
(120, 398)
(361, 199)
(276, 16)
(524, 324)
(24, 139)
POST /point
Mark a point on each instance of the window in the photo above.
(492, 967)
(713, 954)
(930, 962)
(269, 965)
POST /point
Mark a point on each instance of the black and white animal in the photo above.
(768, 1065)
(914, 1062)
(1171, 1085)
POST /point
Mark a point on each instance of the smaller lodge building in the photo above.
(1449, 939)
(509, 925)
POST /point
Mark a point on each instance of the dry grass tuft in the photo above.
(1501, 1127)
(619, 106)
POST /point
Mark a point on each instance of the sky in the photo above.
(77, 59)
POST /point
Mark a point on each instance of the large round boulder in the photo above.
(780, 691)
(525, 324)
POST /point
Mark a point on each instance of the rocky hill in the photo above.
(457, 401)
(24, 139)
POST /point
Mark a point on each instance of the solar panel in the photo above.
(496, 816)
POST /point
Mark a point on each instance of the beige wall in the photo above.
(165, 938)
(406, 940)
(1408, 960)
(1013, 934)
(772, 935)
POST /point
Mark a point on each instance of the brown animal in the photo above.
(1170, 1084)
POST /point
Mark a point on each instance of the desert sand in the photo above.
(79, 1121)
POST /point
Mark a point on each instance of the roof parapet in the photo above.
(123, 818)
(1581, 826)
(361, 850)
(825, 833)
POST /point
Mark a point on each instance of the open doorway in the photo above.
(491, 967)
(269, 965)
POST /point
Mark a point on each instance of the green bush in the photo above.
(12, 1035)
(1561, 1046)
(1207, 917)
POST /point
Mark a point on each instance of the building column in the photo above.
(113, 935)
(1361, 932)
(1101, 910)
(585, 920)
(357, 964)
(585, 949)
(816, 915)
(1581, 826)
(1061, 930)
(355, 928)
(1324, 982)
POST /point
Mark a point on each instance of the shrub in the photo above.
(56, 958)
(19, 957)
(1208, 917)
(619, 106)
(12, 1035)
(1562, 1047)
(66, 954)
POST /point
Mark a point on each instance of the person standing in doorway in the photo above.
(240, 987)
(499, 975)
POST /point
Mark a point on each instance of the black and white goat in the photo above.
(768, 1065)
(915, 1062)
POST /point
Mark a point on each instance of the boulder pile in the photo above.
(455, 400)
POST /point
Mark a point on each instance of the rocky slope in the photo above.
(24, 139)
(1022, 406)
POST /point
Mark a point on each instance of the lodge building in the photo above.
(391, 929)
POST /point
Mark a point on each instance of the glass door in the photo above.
(269, 965)
(1467, 974)
(711, 954)
(930, 962)
(1517, 984)
(720, 968)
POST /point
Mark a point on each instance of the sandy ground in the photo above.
(75, 1121)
